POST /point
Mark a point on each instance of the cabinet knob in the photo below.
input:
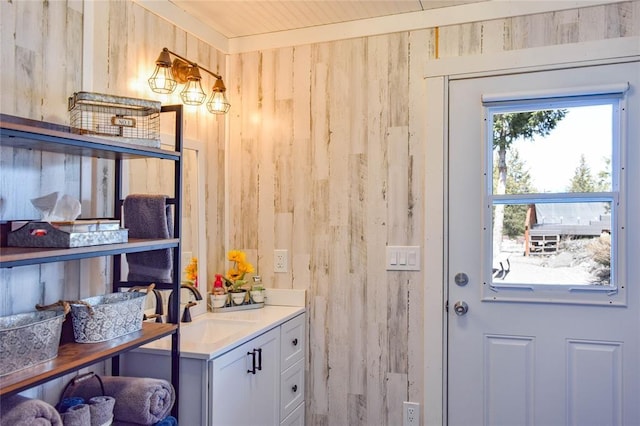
(294, 388)
(295, 342)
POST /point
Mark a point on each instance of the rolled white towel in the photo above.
(101, 408)
(78, 415)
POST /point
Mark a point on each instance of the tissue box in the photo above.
(29, 339)
(111, 316)
(70, 235)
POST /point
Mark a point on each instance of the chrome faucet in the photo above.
(186, 315)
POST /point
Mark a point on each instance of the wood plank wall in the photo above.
(327, 155)
(326, 159)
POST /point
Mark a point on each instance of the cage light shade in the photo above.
(162, 80)
(218, 103)
(192, 94)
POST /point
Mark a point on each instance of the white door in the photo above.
(549, 337)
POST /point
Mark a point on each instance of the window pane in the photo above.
(553, 151)
(554, 243)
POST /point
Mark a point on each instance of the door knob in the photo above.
(461, 308)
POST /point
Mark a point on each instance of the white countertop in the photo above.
(212, 334)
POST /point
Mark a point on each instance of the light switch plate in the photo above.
(403, 258)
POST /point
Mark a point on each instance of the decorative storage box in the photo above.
(110, 316)
(29, 339)
(47, 235)
(127, 120)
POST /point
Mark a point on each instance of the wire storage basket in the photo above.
(127, 120)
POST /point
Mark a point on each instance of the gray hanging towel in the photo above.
(149, 216)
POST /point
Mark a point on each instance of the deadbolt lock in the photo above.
(461, 279)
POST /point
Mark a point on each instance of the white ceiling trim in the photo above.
(623, 49)
(178, 17)
(474, 12)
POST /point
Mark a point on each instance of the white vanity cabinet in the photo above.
(262, 381)
(245, 383)
(257, 382)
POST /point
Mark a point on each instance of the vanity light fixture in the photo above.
(168, 74)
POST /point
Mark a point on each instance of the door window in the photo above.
(553, 176)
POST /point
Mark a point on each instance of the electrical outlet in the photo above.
(281, 261)
(410, 413)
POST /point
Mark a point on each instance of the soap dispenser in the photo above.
(217, 285)
(218, 295)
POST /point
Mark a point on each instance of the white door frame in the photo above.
(437, 76)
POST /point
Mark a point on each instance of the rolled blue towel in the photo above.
(167, 421)
(67, 403)
(18, 410)
(101, 408)
(77, 415)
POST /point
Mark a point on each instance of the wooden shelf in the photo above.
(20, 256)
(73, 356)
(28, 136)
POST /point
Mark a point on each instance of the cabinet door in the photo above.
(240, 397)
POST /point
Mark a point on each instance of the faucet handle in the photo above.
(186, 314)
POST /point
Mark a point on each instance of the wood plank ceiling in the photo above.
(235, 18)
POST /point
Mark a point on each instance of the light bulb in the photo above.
(193, 93)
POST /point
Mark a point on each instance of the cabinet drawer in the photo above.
(291, 389)
(296, 418)
(292, 341)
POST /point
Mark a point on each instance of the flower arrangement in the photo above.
(235, 275)
(191, 271)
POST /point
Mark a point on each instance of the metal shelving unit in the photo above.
(22, 133)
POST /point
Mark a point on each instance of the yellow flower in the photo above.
(237, 256)
(235, 275)
(191, 271)
(245, 267)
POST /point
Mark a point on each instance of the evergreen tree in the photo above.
(582, 180)
(604, 177)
